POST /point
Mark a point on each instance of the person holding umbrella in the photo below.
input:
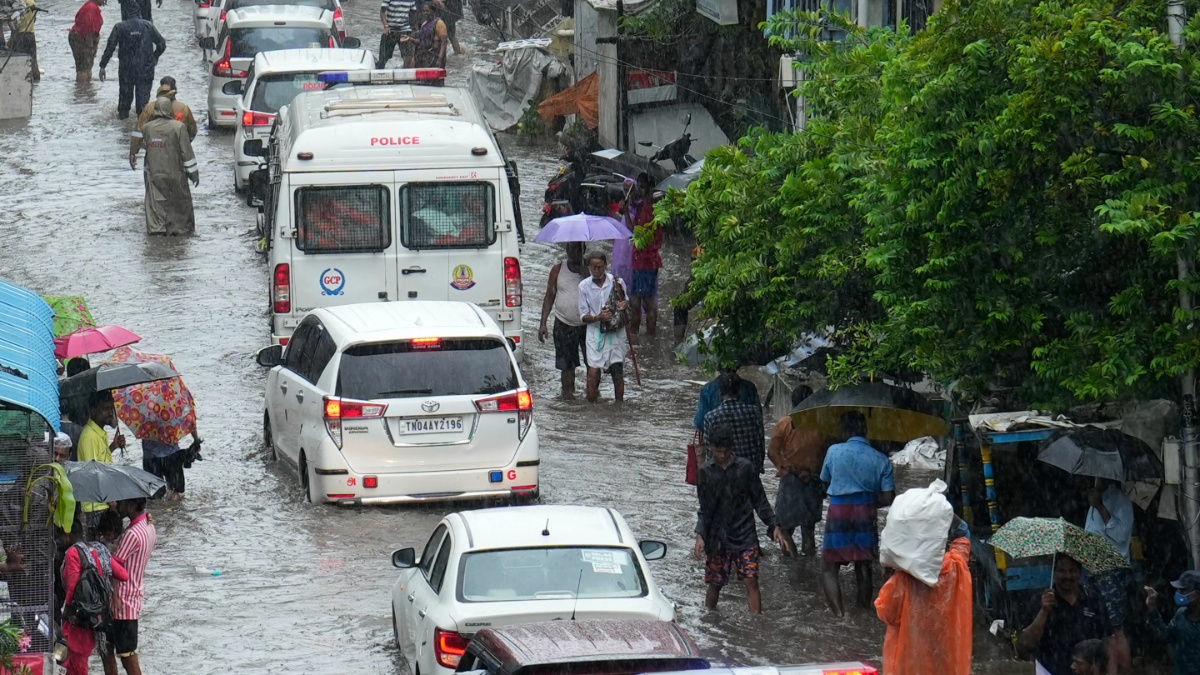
(1110, 515)
(94, 443)
(562, 298)
(1062, 617)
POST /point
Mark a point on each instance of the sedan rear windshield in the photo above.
(451, 367)
(274, 91)
(550, 574)
(250, 41)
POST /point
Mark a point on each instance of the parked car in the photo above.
(251, 30)
(849, 668)
(582, 648)
(219, 10)
(272, 82)
(200, 16)
(399, 402)
(498, 567)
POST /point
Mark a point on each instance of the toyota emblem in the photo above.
(430, 406)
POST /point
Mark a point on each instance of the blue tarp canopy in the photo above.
(28, 371)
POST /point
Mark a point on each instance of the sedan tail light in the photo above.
(519, 401)
(512, 282)
(338, 409)
(449, 647)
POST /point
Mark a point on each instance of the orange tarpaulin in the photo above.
(581, 98)
(929, 629)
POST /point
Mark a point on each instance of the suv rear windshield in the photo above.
(549, 574)
(323, 4)
(454, 367)
(250, 41)
(448, 215)
(343, 219)
(274, 91)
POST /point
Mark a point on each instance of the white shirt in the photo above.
(592, 297)
(1119, 528)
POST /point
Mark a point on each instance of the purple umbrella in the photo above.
(582, 227)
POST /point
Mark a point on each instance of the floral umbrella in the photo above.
(162, 410)
(1033, 537)
(70, 313)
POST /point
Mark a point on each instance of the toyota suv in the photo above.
(401, 402)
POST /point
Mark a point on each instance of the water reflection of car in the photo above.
(582, 648)
(499, 567)
(273, 81)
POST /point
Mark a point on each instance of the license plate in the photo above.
(431, 425)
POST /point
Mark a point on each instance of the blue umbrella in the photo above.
(582, 227)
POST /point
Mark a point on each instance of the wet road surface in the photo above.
(306, 588)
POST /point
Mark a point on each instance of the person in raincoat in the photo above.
(138, 44)
(183, 113)
(929, 629)
(170, 162)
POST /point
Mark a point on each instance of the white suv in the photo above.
(400, 402)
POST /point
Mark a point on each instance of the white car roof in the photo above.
(522, 526)
(312, 60)
(382, 321)
(257, 16)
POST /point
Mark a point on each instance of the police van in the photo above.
(384, 187)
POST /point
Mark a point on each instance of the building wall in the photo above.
(586, 18)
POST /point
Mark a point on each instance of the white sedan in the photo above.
(497, 567)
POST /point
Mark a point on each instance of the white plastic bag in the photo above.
(914, 538)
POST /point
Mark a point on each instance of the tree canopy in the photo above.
(998, 201)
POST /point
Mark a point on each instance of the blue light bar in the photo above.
(333, 78)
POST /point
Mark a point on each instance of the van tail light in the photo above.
(257, 119)
(339, 22)
(281, 289)
(512, 282)
(449, 647)
(223, 13)
(224, 66)
(338, 409)
(519, 401)
(205, 5)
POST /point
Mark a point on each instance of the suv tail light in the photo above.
(449, 647)
(339, 22)
(257, 119)
(281, 290)
(224, 66)
(512, 282)
(519, 401)
(338, 409)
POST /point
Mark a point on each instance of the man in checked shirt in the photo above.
(137, 545)
(744, 421)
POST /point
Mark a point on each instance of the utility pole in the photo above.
(1176, 18)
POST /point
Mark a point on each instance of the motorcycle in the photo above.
(676, 150)
(574, 188)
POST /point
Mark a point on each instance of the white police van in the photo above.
(393, 191)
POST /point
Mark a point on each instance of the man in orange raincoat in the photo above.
(929, 629)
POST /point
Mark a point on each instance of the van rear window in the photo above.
(343, 219)
(451, 367)
(448, 215)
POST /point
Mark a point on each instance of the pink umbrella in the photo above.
(93, 341)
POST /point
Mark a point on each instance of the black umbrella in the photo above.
(1102, 453)
(106, 482)
(893, 413)
(113, 376)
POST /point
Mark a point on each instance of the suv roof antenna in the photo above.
(546, 530)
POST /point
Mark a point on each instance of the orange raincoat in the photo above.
(929, 629)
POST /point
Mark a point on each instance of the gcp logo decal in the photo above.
(332, 282)
(462, 278)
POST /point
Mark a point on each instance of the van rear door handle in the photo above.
(413, 270)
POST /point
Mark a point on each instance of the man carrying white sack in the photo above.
(915, 609)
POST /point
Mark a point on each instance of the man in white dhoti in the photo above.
(603, 305)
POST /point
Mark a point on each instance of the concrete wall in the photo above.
(663, 125)
(585, 39)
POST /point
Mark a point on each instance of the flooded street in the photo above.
(306, 588)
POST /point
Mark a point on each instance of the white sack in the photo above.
(922, 453)
(914, 538)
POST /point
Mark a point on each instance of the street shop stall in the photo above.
(29, 419)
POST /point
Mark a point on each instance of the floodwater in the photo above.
(306, 588)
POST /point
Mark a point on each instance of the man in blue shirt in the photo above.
(859, 480)
(710, 397)
(1110, 515)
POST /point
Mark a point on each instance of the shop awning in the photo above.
(28, 372)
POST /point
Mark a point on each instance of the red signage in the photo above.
(396, 140)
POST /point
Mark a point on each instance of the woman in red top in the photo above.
(84, 38)
(81, 641)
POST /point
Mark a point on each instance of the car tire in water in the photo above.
(269, 438)
(305, 482)
(395, 630)
(212, 126)
(237, 188)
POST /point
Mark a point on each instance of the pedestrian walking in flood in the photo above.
(730, 493)
(603, 307)
(798, 455)
(1182, 634)
(1062, 617)
(397, 17)
(431, 37)
(743, 420)
(137, 44)
(137, 545)
(710, 397)
(562, 299)
(84, 38)
(647, 260)
(24, 37)
(452, 11)
(1110, 515)
(182, 113)
(170, 164)
(137, 9)
(79, 625)
(860, 481)
(94, 443)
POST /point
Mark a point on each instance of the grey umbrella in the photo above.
(113, 376)
(1102, 453)
(105, 482)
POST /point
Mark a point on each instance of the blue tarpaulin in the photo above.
(28, 371)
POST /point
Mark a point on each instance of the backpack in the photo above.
(90, 607)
